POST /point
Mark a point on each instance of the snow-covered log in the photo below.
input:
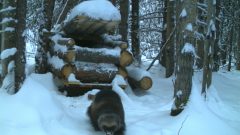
(62, 73)
(104, 55)
(68, 56)
(93, 17)
(114, 41)
(75, 88)
(91, 72)
(139, 78)
(98, 41)
(83, 25)
(58, 39)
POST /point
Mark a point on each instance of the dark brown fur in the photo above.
(106, 113)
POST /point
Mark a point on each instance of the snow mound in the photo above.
(96, 9)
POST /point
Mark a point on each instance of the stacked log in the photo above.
(82, 47)
(94, 67)
(86, 26)
(139, 78)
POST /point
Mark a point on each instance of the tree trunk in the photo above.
(186, 18)
(238, 51)
(41, 56)
(20, 59)
(163, 57)
(230, 49)
(135, 32)
(169, 49)
(1, 6)
(8, 34)
(66, 8)
(208, 47)
(123, 27)
(200, 40)
(216, 59)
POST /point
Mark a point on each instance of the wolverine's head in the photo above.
(109, 123)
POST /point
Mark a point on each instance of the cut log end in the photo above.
(145, 83)
(126, 58)
(123, 72)
(67, 70)
(70, 56)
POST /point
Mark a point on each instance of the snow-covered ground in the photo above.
(40, 110)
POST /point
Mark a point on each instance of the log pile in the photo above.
(83, 49)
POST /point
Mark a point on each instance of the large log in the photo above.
(92, 72)
(84, 25)
(139, 78)
(76, 89)
(104, 55)
(97, 41)
(73, 87)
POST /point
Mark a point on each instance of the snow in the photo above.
(211, 28)
(183, 13)
(9, 8)
(57, 47)
(189, 27)
(9, 29)
(6, 20)
(137, 73)
(40, 109)
(8, 52)
(119, 80)
(56, 62)
(8, 81)
(72, 78)
(188, 48)
(96, 9)
(110, 38)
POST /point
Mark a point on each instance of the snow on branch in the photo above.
(57, 47)
(199, 22)
(8, 52)
(198, 35)
(202, 5)
(189, 27)
(211, 29)
(183, 13)
(56, 62)
(188, 48)
(9, 29)
(9, 8)
(9, 19)
(96, 9)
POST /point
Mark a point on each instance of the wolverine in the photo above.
(106, 113)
